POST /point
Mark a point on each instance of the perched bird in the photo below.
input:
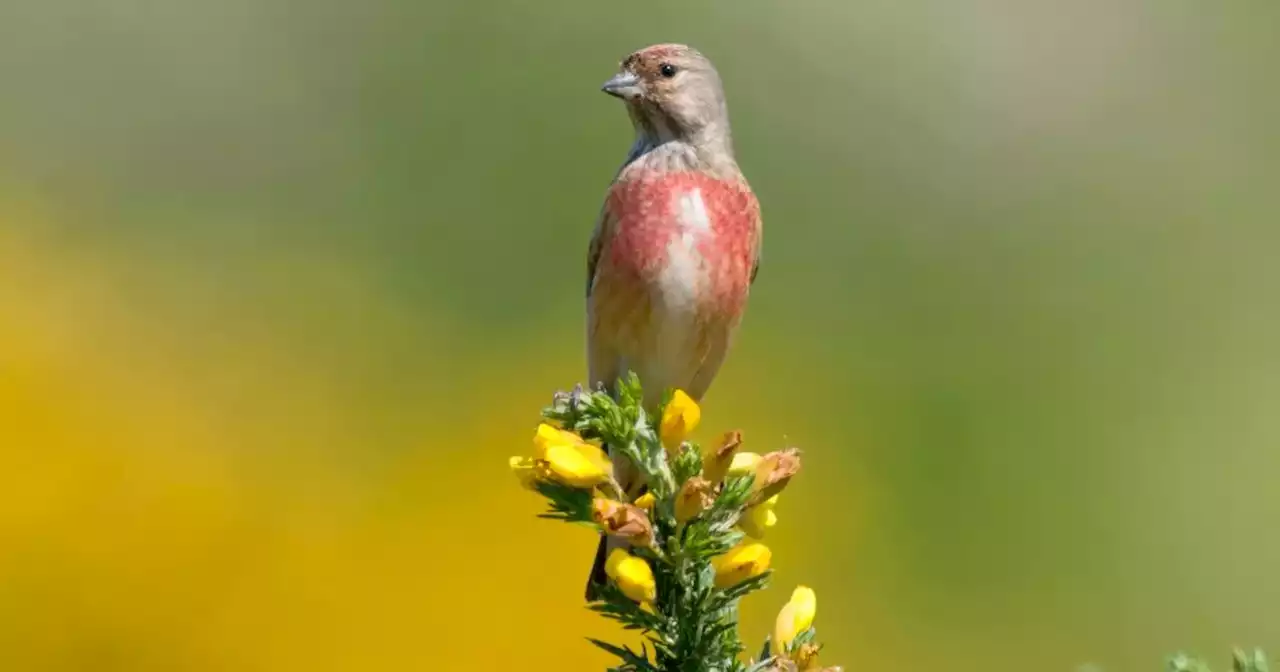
(677, 244)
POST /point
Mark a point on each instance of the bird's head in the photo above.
(672, 92)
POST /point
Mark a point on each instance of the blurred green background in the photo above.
(283, 284)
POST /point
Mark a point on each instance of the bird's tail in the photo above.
(629, 479)
(598, 576)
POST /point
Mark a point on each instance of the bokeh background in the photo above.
(283, 284)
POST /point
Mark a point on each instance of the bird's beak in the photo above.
(624, 85)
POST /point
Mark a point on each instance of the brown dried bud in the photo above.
(780, 664)
(715, 464)
(774, 472)
(806, 656)
(693, 497)
(625, 521)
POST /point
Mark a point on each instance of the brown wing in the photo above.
(605, 223)
(758, 250)
(601, 355)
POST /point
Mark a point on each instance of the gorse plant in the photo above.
(688, 548)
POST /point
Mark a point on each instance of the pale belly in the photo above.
(668, 295)
(662, 327)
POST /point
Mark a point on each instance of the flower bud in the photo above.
(774, 472)
(743, 464)
(716, 463)
(632, 575)
(693, 498)
(679, 419)
(795, 617)
(625, 521)
(745, 561)
(523, 468)
(646, 501)
(756, 520)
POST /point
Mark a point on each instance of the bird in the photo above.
(676, 245)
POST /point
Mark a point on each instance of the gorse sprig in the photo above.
(686, 532)
(686, 526)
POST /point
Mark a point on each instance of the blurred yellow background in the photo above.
(282, 286)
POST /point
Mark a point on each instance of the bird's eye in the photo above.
(667, 70)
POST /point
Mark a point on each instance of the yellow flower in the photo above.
(569, 459)
(679, 419)
(548, 436)
(759, 518)
(743, 464)
(795, 617)
(597, 456)
(745, 561)
(646, 501)
(523, 467)
(571, 467)
(633, 576)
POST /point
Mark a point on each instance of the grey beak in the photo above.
(624, 85)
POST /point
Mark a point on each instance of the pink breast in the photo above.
(649, 217)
